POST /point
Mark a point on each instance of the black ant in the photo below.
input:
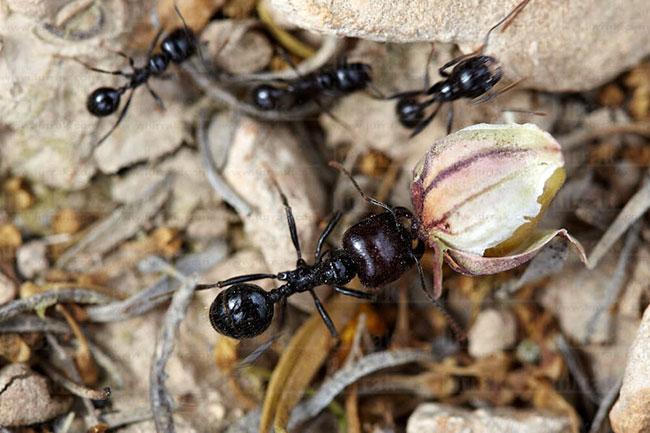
(378, 249)
(342, 79)
(176, 47)
(473, 76)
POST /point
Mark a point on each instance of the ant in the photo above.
(342, 79)
(176, 47)
(378, 250)
(474, 75)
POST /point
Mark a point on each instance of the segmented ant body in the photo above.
(378, 250)
(472, 76)
(176, 47)
(343, 79)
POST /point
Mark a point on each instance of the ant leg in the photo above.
(426, 121)
(358, 188)
(354, 293)
(460, 334)
(330, 226)
(154, 95)
(235, 280)
(426, 67)
(119, 119)
(495, 94)
(450, 118)
(283, 313)
(452, 62)
(323, 314)
(103, 71)
(153, 43)
(408, 94)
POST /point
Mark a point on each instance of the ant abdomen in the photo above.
(381, 248)
(241, 311)
(103, 101)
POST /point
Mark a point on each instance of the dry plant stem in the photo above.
(352, 410)
(346, 376)
(78, 296)
(75, 388)
(212, 173)
(72, 371)
(120, 225)
(285, 38)
(632, 211)
(223, 96)
(576, 369)
(160, 291)
(85, 363)
(605, 405)
(617, 280)
(29, 323)
(160, 400)
(326, 51)
(641, 128)
(119, 419)
(104, 361)
(64, 424)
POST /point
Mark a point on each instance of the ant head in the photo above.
(265, 97)
(241, 311)
(352, 77)
(409, 112)
(104, 101)
(179, 45)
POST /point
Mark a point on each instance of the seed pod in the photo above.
(479, 193)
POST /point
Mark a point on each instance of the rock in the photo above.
(630, 412)
(8, 288)
(31, 259)
(207, 224)
(258, 148)
(45, 126)
(26, 399)
(236, 47)
(574, 296)
(556, 46)
(440, 418)
(493, 330)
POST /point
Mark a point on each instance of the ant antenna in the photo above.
(460, 334)
(370, 200)
(510, 17)
(290, 220)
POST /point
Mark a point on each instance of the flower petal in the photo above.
(474, 264)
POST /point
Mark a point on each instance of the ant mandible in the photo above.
(474, 75)
(176, 47)
(378, 250)
(342, 79)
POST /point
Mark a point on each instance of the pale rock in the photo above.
(31, 258)
(440, 418)
(493, 330)
(574, 296)
(25, 398)
(237, 46)
(256, 150)
(630, 412)
(8, 288)
(555, 45)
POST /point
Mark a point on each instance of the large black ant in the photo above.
(342, 79)
(474, 75)
(176, 47)
(378, 249)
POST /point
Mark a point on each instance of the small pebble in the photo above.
(493, 330)
(31, 259)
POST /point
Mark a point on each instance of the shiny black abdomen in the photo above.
(381, 254)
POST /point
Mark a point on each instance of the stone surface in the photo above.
(555, 45)
(630, 413)
(493, 330)
(26, 399)
(31, 258)
(257, 149)
(236, 46)
(440, 418)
